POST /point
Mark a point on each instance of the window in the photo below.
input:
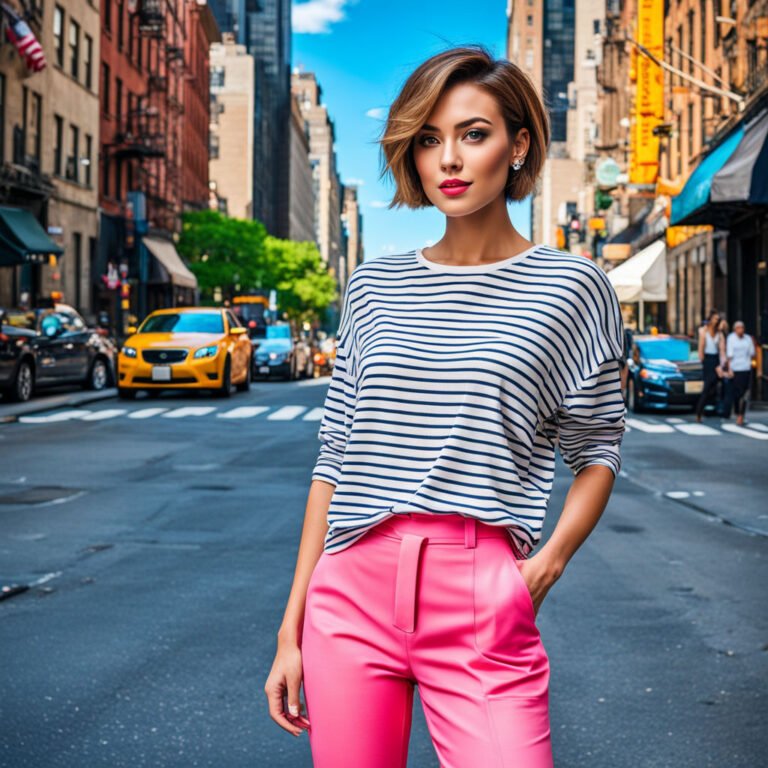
(34, 127)
(72, 161)
(105, 174)
(105, 77)
(118, 179)
(690, 134)
(680, 65)
(217, 77)
(120, 17)
(108, 15)
(703, 30)
(88, 63)
(88, 159)
(690, 41)
(118, 99)
(58, 34)
(74, 48)
(58, 138)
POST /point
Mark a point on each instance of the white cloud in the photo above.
(389, 248)
(316, 16)
(356, 182)
(377, 112)
(378, 204)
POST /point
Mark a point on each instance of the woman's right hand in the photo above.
(285, 680)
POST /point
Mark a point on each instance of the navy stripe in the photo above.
(453, 387)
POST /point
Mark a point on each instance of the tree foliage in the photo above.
(237, 256)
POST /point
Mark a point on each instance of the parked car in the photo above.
(664, 371)
(52, 347)
(186, 348)
(280, 354)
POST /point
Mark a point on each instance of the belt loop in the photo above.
(470, 532)
(406, 582)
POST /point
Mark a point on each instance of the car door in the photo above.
(241, 346)
(75, 337)
(51, 353)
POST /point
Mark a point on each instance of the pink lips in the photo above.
(454, 190)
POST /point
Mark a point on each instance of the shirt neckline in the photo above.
(473, 268)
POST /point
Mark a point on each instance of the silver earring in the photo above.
(518, 164)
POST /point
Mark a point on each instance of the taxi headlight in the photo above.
(128, 351)
(206, 352)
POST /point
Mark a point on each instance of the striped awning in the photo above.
(730, 181)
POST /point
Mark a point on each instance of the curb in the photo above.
(10, 413)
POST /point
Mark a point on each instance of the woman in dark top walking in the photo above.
(712, 356)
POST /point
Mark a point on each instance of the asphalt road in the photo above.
(158, 539)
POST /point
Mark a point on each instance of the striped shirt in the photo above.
(453, 385)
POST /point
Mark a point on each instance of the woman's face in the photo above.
(465, 138)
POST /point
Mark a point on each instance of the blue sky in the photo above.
(362, 51)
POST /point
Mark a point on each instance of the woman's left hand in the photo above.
(539, 575)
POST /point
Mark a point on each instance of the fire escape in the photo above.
(150, 133)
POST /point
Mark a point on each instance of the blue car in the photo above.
(664, 371)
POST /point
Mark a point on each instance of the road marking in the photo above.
(677, 494)
(51, 417)
(675, 420)
(146, 413)
(737, 430)
(644, 426)
(107, 413)
(314, 415)
(191, 410)
(244, 412)
(759, 427)
(286, 413)
(697, 429)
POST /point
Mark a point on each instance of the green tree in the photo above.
(237, 255)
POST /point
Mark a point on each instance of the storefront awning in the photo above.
(643, 277)
(23, 240)
(165, 252)
(729, 181)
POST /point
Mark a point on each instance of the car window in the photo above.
(17, 318)
(69, 321)
(233, 321)
(675, 350)
(184, 322)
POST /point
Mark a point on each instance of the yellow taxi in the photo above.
(186, 348)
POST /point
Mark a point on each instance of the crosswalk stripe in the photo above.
(737, 430)
(287, 412)
(146, 413)
(758, 427)
(701, 430)
(107, 413)
(57, 416)
(243, 412)
(314, 415)
(191, 410)
(644, 426)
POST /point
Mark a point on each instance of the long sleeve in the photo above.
(340, 400)
(590, 421)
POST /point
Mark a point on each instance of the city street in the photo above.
(158, 539)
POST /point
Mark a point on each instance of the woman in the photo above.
(712, 355)
(459, 369)
(740, 351)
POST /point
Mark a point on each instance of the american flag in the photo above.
(19, 33)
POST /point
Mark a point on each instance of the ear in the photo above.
(520, 145)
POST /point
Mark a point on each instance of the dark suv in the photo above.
(52, 347)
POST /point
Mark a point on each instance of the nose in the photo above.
(450, 158)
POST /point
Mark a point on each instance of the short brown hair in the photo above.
(519, 102)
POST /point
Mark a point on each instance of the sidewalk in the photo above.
(10, 412)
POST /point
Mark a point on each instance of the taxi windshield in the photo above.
(184, 322)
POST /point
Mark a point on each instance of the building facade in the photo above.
(49, 126)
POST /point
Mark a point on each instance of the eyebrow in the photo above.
(462, 124)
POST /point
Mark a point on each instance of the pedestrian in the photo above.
(712, 356)
(460, 369)
(740, 350)
(725, 387)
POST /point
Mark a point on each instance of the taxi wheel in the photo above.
(246, 384)
(225, 390)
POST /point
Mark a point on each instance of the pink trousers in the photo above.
(436, 601)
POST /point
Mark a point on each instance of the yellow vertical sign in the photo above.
(648, 102)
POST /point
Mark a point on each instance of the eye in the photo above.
(481, 134)
(423, 139)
